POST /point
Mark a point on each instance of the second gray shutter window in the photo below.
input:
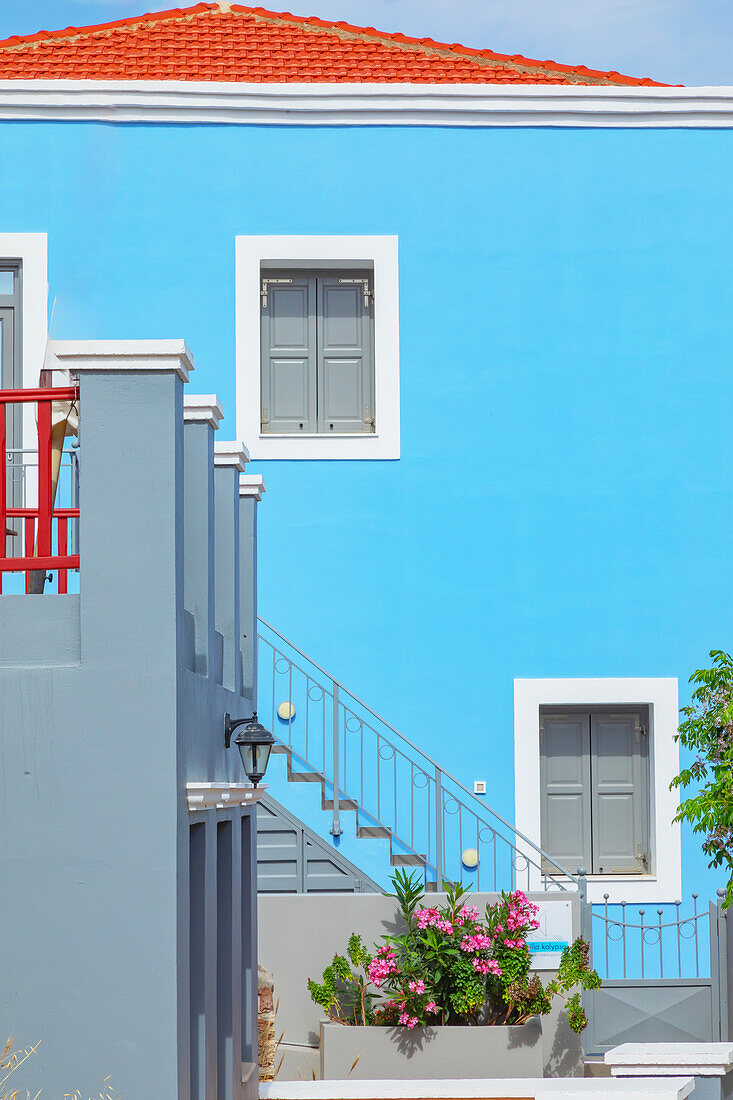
(345, 376)
(289, 355)
(565, 790)
(619, 793)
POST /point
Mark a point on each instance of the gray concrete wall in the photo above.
(324, 923)
(103, 721)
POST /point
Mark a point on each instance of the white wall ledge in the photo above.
(670, 1059)
(231, 454)
(671, 1088)
(121, 355)
(366, 104)
(221, 796)
(251, 485)
(202, 409)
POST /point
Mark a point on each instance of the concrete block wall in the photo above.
(128, 937)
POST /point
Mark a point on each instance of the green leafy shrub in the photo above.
(708, 731)
(450, 967)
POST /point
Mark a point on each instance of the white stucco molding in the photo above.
(337, 104)
(200, 408)
(31, 250)
(221, 796)
(121, 355)
(232, 454)
(664, 884)
(380, 253)
(251, 485)
(670, 1059)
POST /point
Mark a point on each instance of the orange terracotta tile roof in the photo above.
(225, 41)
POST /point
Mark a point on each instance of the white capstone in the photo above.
(121, 355)
(670, 1059)
(231, 454)
(251, 485)
(202, 408)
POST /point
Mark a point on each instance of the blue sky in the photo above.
(678, 41)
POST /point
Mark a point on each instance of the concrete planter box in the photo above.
(427, 1053)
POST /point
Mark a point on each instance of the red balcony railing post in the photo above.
(36, 523)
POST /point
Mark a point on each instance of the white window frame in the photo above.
(31, 251)
(660, 694)
(255, 253)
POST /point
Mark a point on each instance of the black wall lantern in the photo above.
(254, 743)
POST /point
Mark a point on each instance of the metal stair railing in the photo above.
(397, 791)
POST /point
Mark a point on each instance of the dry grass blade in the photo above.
(279, 1065)
(353, 1065)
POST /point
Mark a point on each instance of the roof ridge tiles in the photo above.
(63, 54)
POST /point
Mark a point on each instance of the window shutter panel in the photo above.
(565, 789)
(289, 356)
(345, 356)
(619, 777)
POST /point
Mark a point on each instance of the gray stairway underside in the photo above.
(292, 859)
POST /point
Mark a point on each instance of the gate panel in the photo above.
(652, 1011)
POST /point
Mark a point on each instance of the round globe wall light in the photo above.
(286, 711)
(469, 858)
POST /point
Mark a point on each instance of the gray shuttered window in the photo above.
(317, 352)
(594, 771)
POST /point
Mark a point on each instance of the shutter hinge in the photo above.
(642, 862)
(264, 421)
(640, 732)
(266, 286)
(368, 293)
(369, 420)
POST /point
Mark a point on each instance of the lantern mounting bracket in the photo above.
(232, 724)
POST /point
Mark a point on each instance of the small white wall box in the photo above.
(479, 786)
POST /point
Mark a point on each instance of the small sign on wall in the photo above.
(554, 934)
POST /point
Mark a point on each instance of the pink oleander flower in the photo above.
(417, 986)
(431, 918)
(382, 965)
(487, 966)
(407, 1021)
(466, 913)
(513, 943)
(431, 1007)
(478, 942)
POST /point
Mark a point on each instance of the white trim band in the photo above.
(366, 104)
(204, 408)
(122, 355)
(564, 1088)
(221, 796)
(231, 454)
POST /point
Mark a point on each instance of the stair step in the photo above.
(344, 804)
(279, 747)
(373, 830)
(305, 777)
(409, 859)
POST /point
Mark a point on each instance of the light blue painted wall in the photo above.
(563, 503)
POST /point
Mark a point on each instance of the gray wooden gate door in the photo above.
(657, 1008)
(291, 859)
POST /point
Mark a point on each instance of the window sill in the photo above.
(319, 435)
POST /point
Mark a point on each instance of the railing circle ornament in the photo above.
(422, 778)
(352, 724)
(386, 752)
(319, 693)
(282, 665)
(451, 805)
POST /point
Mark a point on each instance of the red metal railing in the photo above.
(38, 523)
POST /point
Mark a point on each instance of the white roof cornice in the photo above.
(367, 104)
